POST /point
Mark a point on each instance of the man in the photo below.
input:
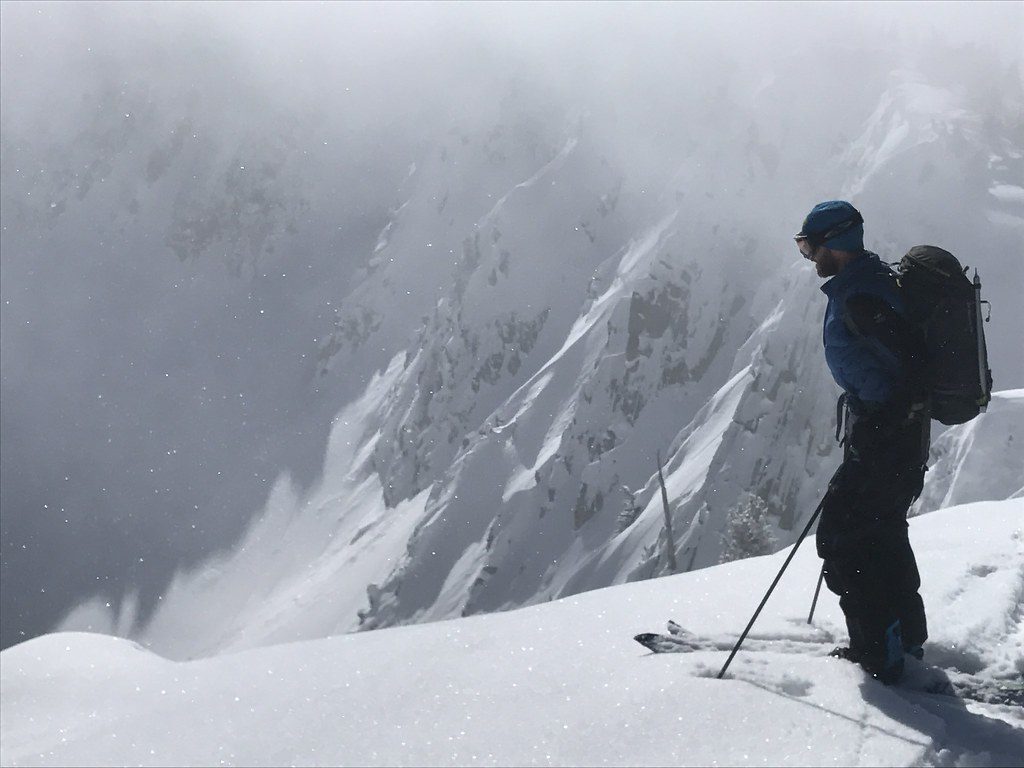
(873, 355)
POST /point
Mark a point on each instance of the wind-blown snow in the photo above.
(557, 684)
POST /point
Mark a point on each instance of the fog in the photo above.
(190, 189)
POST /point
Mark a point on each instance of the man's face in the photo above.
(825, 263)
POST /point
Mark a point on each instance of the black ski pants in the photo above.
(862, 534)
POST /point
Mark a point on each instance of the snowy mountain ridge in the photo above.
(577, 331)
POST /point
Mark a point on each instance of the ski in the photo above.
(681, 640)
(918, 677)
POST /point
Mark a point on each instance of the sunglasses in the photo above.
(815, 240)
(807, 255)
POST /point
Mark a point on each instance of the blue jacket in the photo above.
(863, 366)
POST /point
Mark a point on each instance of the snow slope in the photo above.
(556, 684)
(969, 462)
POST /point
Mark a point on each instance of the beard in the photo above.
(825, 265)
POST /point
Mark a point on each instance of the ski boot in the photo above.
(886, 665)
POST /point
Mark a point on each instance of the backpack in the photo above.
(946, 306)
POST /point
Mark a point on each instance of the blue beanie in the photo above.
(827, 216)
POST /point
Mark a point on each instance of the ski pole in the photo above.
(771, 588)
(817, 589)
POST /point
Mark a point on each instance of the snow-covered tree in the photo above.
(748, 530)
(630, 510)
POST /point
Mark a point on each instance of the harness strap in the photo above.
(840, 420)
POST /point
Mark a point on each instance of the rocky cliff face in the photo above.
(699, 343)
